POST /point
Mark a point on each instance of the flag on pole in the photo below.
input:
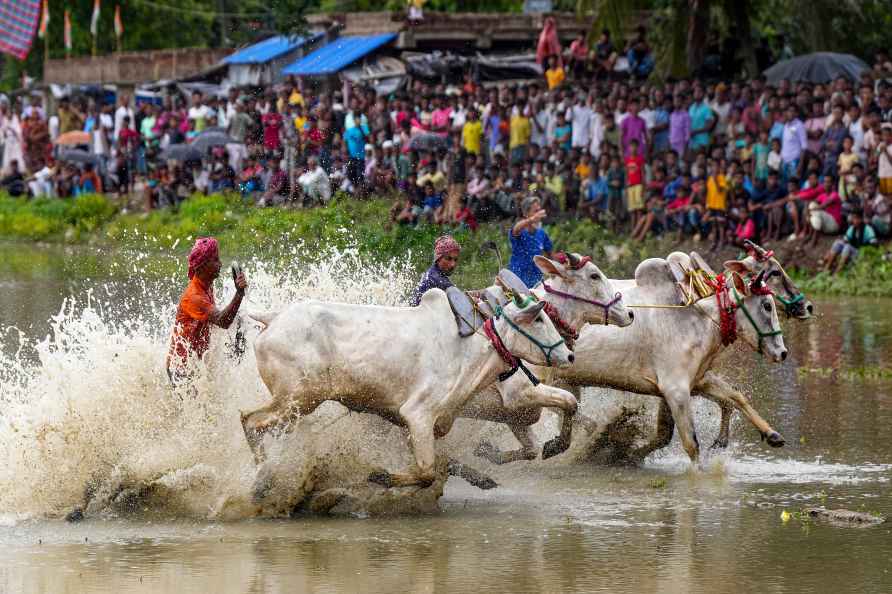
(44, 19)
(119, 24)
(94, 22)
(67, 31)
(18, 22)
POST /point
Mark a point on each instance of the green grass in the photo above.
(245, 230)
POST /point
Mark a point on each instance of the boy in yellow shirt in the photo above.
(716, 204)
(555, 75)
(520, 131)
(471, 133)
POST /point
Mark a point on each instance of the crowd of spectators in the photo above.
(720, 161)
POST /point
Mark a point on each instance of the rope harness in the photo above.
(576, 264)
(727, 319)
(567, 332)
(759, 289)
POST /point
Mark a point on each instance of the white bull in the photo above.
(669, 353)
(666, 353)
(407, 365)
(578, 293)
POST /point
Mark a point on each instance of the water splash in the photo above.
(92, 409)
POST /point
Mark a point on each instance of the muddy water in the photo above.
(656, 528)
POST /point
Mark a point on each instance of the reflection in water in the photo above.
(579, 529)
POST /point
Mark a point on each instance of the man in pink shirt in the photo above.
(440, 117)
(824, 209)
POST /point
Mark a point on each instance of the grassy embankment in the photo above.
(246, 230)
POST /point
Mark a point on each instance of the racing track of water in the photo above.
(90, 404)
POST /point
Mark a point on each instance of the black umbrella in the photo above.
(427, 142)
(78, 156)
(181, 153)
(207, 140)
(820, 67)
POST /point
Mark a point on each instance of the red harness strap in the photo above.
(489, 328)
(567, 332)
(727, 319)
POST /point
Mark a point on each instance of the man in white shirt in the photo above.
(856, 131)
(580, 117)
(721, 106)
(539, 123)
(315, 183)
(198, 112)
(597, 127)
(124, 111)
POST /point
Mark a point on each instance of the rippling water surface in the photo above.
(660, 527)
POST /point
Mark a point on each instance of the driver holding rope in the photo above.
(446, 252)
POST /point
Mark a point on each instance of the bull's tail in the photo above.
(264, 317)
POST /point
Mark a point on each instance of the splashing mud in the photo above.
(92, 418)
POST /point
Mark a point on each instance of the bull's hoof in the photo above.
(487, 451)
(75, 515)
(775, 439)
(381, 477)
(553, 447)
(720, 443)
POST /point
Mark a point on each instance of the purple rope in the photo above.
(618, 297)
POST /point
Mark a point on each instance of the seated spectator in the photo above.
(824, 210)
(13, 183)
(249, 178)
(314, 183)
(846, 248)
(41, 182)
(276, 191)
(221, 177)
(90, 182)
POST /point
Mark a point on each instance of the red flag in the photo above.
(44, 19)
(119, 25)
(67, 31)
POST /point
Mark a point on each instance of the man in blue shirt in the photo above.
(529, 239)
(702, 120)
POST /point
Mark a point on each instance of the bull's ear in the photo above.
(529, 313)
(550, 267)
(739, 284)
(738, 266)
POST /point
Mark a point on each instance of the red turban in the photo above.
(204, 250)
(444, 245)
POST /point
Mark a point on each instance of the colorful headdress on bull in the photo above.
(204, 250)
(571, 260)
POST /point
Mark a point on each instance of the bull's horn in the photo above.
(574, 261)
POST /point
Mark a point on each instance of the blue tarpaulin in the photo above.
(337, 55)
(268, 49)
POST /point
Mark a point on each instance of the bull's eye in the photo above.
(538, 320)
(594, 277)
(767, 306)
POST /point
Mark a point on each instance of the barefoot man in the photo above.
(198, 310)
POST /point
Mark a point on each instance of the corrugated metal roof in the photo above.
(268, 49)
(341, 52)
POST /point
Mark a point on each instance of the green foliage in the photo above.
(869, 276)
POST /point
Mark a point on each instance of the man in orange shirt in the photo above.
(198, 310)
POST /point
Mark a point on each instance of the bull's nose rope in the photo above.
(616, 299)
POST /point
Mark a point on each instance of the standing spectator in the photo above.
(472, 133)
(634, 163)
(529, 239)
(702, 121)
(793, 143)
(634, 129)
(679, 126)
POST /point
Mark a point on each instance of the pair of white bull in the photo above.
(409, 365)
